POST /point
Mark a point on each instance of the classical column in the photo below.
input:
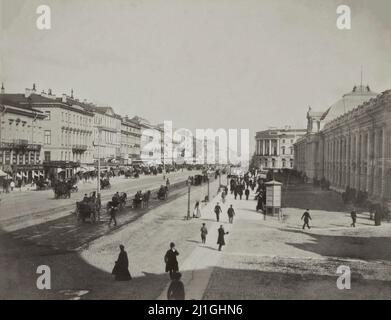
(384, 154)
(364, 151)
(358, 160)
(270, 147)
(348, 155)
(375, 170)
(370, 162)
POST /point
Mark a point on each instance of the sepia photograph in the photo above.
(202, 150)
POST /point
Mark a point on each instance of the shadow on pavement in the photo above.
(229, 284)
(353, 247)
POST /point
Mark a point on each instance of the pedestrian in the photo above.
(98, 205)
(236, 193)
(306, 216)
(204, 232)
(171, 260)
(218, 211)
(353, 215)
(12, 185)
(197, 211)
(240, 191)
(113, 214)
(231, 213)
(247, 193)
(120, 270)
(223, 195)
(220, 239)
(259, 203)
(176, 290)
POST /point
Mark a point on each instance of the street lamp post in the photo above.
(208, 186)
(188, 198)
(98, 178)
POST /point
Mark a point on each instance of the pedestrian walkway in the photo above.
(198, 267)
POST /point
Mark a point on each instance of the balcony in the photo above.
(79, 148)
(20, 142)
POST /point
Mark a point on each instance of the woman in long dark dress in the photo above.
(120, 270)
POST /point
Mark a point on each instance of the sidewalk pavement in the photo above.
(197, 269)
(273, 245)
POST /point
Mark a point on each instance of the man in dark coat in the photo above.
(176, 290)
(231, 213)
(218, 211)
(220, 239)
(120, 270)
(240, 191)
(113, 213)
(306, 216)
(247, 193)
(171, 260)
(353, 215)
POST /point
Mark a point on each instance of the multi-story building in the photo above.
(21, 138)
(107, 134)
(152, 142)
(67, 135)
(353, 146)
(66, 132)
(274, 147)
(130, 140)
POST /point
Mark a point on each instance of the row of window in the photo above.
(284, 163)
(8, 157)
(75, 119)
(108, 122)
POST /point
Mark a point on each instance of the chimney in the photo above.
(64, 98)
(34, 89)
(49, 92)
(2, 88)
(27, 93)
(72, 93)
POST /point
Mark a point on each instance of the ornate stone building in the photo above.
(274, 147)
(351, 144)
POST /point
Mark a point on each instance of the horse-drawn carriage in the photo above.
(105, 183)
(42, 185)
(198, 179)
(87, 209)
(62, 189)
(141, 200)
(162, 194)
(128, 174)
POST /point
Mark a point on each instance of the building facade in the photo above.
(107, 134)
(21, 138)
(130, 140)
(151, 142)
(353, 146)
(274, 147)
(65, 131)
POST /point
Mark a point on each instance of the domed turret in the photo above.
(349, 101)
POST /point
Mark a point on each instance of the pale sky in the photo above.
(200, 63)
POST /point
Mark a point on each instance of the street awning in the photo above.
(2, 173)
